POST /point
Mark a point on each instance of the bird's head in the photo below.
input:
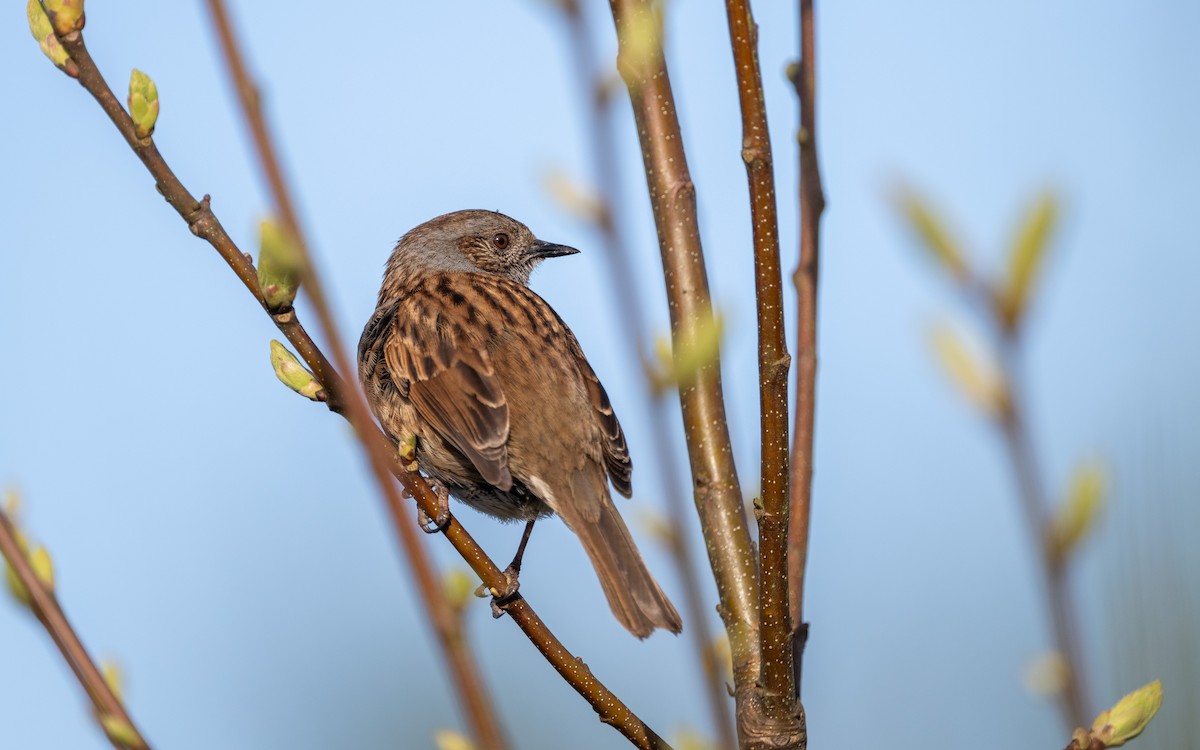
(472, 241)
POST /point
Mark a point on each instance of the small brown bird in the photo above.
(506, 411)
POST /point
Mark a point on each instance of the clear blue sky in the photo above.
(220, 538)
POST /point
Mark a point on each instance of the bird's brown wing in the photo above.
(453, 386)
(616, 451)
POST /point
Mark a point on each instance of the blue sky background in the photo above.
(221, 539)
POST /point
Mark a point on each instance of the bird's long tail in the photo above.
(633, 594)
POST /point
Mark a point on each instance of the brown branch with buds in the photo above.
(631, 311)
(782, 716)
(812, 204)
(717, 491)
(472, 692)
(339, 397)
(39, 594)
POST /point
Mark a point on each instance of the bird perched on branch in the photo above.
(506, 412)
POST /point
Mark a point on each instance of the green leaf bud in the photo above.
(280, 266)
(65, 15)
(143, 103)
(43, 32)
(293, 374)
(1130, 716)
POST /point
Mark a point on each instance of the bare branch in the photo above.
(780, 727)
(45, 606)
(812, 204)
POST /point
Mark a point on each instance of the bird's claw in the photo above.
(512, 584)
(441, 521)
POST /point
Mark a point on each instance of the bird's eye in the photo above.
(500, 241)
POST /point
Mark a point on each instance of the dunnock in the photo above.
(506, 412)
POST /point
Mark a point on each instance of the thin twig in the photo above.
(706, 429)
(812, 204)
(204, 224)
(1035, 507)
(632, 314)
(775, 627)
(472, 692)
(45, 607)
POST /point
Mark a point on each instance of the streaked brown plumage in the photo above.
(509, 416)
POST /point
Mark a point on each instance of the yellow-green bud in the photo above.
(459, 586)
(448, 739)
(1025, 259)
(690, 738)
(120, 731)
(792, 72)
(43, 32)
(932, 232)
(724, 655)
(111, 672)
(143, 103)
(1078, 513)
(658, 526)
(1129, 717)
(408, 452)
(575, 198)
(280, 266)
(695, 347)
(292, 374)
(43, 566)
(65, 15)
(976, 375)
(641, 37)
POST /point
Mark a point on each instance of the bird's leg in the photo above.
(512, 574)
(442, 519)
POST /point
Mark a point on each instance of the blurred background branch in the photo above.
(592, 81)
(473, 696)
(30, 573)
(998, 390)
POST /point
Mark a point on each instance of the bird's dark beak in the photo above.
(541, 249)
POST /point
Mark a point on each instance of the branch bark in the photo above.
(812, 204)
(45, 607)
(348, 402)
(473, 695)
(714, 476)
(782, 726)
(632, 315)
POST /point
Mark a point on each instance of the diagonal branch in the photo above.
(706, 429)
(632, 314)
(812, 204)
(781, 728)
(1018, 442)
(45, 607)
(456, 650)
(346, 401)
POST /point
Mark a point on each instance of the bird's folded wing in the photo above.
(454, 387)
(616, 452)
